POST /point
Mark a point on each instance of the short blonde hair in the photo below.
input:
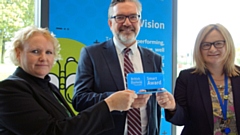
(22, 36)
(228, 57)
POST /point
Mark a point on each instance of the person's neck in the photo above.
(128, 45)
(217, 73)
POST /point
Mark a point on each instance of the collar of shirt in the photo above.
(120, 47)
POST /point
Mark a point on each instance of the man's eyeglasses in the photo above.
(122, 18)
(217, 44)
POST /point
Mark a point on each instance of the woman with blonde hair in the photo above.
(207, 96)
(31, 105)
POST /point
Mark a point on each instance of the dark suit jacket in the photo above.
(28, 107)
(194, 105)
(99, 75)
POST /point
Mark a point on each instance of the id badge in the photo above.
(223, 126)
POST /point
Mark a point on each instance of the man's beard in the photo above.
(128, 38)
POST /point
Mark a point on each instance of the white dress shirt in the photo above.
(136, 60)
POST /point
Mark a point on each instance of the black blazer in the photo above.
(99, 75)
(28, 107)
(194, 105)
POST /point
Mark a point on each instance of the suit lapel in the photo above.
(62, 100)
(110, 55)
(235, 82)
(203, 87)
(146, 68)
(146, 62)
(39, 93)
(152, 109)
(50, 98)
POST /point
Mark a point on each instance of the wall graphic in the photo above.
(79, 23)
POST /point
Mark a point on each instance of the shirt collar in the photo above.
(120, 47)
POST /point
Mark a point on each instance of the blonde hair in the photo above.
(21, 38)
(228, 57)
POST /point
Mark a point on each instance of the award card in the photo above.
(145, 83)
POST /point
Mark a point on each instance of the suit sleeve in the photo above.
(84, 94)
(22, 112)
(180, 117)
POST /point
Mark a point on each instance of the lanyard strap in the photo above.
(223, 106)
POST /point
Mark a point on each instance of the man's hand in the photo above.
(141, 100)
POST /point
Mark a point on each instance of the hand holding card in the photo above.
(150, 82)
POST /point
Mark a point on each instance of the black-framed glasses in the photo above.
(217, 44)
(122, 18)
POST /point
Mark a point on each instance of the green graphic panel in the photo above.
(64, 71)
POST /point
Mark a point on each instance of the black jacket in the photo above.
(194, 104)
(28, 107)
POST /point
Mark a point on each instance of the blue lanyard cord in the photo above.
(225, 96)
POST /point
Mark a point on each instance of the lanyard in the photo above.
(223, 106)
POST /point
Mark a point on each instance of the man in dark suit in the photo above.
(101, 69)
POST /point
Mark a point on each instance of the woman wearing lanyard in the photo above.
(207, 96)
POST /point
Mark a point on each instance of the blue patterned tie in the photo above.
(133, 115)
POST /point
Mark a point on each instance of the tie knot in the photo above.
(127, 50)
